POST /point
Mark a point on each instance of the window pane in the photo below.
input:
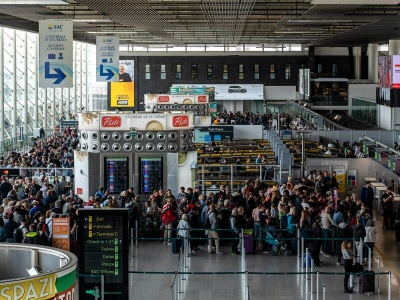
(240, 68)
(256, 68)
(178, 68)
(162, 68)
(147, 68)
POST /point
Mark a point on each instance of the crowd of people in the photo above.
(31, 199)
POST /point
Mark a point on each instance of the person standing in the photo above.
(167, 217)
(348, 256)
(326, 224)
(358, 235)
(5, 187)
(387, 207)
(367, 196)
(370, 238)
(235, 231)
(212, 232)
(397, 222)
(317, 235)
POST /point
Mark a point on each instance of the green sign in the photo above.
(174, 90)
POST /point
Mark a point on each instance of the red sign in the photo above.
(202, 98)
(163, 98)
(79, 191)
(180, 121)
(113, 121)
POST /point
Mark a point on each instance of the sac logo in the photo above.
(55, 27)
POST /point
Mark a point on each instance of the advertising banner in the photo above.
(212, 108)
(154, 121)
(341, 178)
(239, 92)
(107, 56)
(122, 95)
(175, 99)
(60, 238)
(396, 70)
(55, 55)
(39, 288)
(129, 67)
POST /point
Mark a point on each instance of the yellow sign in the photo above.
(40, 288)
(122, 94)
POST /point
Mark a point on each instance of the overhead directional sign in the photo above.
(107, 58)
(55, 54)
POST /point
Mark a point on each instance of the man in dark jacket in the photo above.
(317, 234)
(5, 187)
(32, 237)
(359, 234)
(9, 228)
(367, 196)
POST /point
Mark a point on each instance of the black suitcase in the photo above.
(176, 245)
(367, 282)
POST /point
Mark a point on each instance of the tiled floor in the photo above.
(152, 256)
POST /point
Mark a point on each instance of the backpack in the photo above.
(284, 222)
(18, 235)
(206, 222)
(133, 211)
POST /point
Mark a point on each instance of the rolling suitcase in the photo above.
(367, 282)
(249, 244)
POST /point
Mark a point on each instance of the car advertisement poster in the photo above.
(239, 92)
(236, 91)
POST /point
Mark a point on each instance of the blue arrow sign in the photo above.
(109, 73)
(59, 76)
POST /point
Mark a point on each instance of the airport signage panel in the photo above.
(55, 55)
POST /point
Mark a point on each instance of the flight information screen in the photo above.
(116, 174)
(151, 174)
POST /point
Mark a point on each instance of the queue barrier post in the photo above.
(379, 279)
(102, 287)
(302, 253)
(389, 285)
(136, 232)
(298, 242)
(306, 259)
(317, 285)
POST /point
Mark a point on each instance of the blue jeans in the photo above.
(325, 243)
(257, 232)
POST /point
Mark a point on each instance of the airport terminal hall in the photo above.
(199, 149)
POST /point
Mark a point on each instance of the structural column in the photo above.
(25, 86)
(2, 126)
(394, 47)
(357, 62)
(13, 86)
(373, 63)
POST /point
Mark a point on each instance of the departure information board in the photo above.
(151, 174)
(103, 250)
(116, 174)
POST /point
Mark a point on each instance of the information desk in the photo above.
(103, 250)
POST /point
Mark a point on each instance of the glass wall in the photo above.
(23, 105)
(364, 110)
